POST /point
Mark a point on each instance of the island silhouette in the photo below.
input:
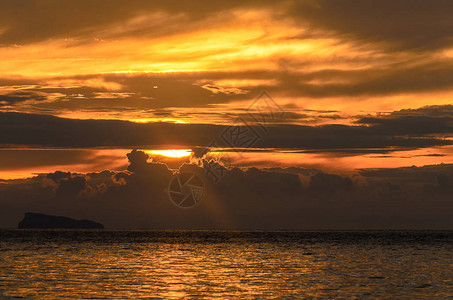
(43, 221)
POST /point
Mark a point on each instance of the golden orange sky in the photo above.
(337, 71)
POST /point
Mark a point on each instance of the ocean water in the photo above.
(74, 264)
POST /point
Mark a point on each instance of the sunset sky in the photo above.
(353, 85)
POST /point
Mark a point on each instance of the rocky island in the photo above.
(43, 221)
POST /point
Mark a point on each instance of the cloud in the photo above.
(399, 24)
(201, 63)
(71, 187)
(173, 96)
(294, 49)
(323, 184)
(200, 152)
(21, 162)
(29, 129)
(36, 21)
(137, 161)
(414, 122)
(22, 158)
(18, 98)
(417, 24)
(392, 78)
(95, 82)
(57, 176)
(293, 198)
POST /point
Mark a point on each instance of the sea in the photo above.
(152, 264)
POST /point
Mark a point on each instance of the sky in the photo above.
(334, 93)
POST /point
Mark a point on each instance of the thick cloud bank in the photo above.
(292, 198)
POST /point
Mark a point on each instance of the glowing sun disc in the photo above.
(171, 153)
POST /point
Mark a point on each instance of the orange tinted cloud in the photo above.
(204, 63)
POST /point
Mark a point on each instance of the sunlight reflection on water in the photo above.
(188, 264)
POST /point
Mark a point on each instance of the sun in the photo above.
(176, 153)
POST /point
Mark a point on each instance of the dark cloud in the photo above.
(414, 75)
(414, 122)
(57, 176)
(425, 174)
(169, 96)
(432, 111)
(120, 178)
(185, 90)
(34, 21)
(400, 24)
(137, 161)
(17, 97)
(172, 90)
(292, 198)
(28, 129)
(390, 26)
(260, 182)
(71, 187)
(443, 186)
(11, 99)
(150, 94)
(323, 184)
(200, 152)
(36, 158)
(166, 96)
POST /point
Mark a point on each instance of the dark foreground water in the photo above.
(196, 264)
